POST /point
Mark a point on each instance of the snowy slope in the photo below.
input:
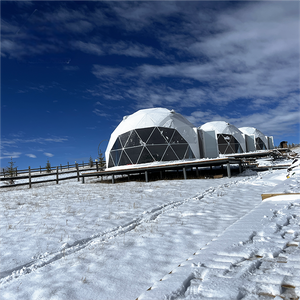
(104, 241)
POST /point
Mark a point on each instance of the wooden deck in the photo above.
(146, 169)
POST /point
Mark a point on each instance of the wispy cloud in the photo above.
(31, 155)
(48, 154)
(10, 155)
(100, 113)
(88, 47)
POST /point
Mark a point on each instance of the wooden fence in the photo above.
(44, 169)
(58, 170)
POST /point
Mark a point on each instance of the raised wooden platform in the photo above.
(184, 166)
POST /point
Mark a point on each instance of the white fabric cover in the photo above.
(156, 117)
(222, 127)
(256, 133)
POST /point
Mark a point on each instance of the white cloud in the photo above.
(31, 155)
(100, 113)
(10, 155)
(48, 154)
(90, 48)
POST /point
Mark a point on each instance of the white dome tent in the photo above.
(155, 134)
(261, 141)
(229, 138)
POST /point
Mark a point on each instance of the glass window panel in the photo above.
(124, 137)
(124, 160)
(229, 150)
(260, 144)
(221, 139)
(134, 153)
(156, 138)
(167, 133)
(177, 138)
(157, 151)
(145, 156)
(110, 162)
(222, 148)
(117, 145)
(145, 133)
(133, 140)
(238, 148)
(189, 153)
(180, 150)
(169, 155)
(115, 154)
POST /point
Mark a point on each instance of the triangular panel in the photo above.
(124, 160)
(189, 153)
(177, 138)
(133, 140)
(167, 133)
(117, 145)
(145, 156)
(115, 154)
(157, 151)
(124, 137)
(169, 155)
(156, 138)
(110, 162)
(145, 133)
(133, 153)
(180, 150)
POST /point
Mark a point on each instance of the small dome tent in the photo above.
(229, 138)
(155, 134)
(261, 141)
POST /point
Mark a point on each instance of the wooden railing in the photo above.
(68, 166)
(43, 172)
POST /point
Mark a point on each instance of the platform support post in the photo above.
(184, 173)
(146, 176)
(113, 179)
(228, 170)
(240, 167)
(197, 172)
(161, 174)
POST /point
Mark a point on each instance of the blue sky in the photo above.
(70, 71)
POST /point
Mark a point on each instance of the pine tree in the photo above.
(101, 159)
(48, 167)
(11, 170)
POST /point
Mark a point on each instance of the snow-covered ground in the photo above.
(176, 239)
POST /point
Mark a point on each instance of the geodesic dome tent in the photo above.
(229, 138)
(155, 134)
(261, 141)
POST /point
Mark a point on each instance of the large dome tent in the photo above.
(261, 141)
(155, 134)
(229, 138)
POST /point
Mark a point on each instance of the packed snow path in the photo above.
(103, 241)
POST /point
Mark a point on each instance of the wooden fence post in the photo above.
(29, 177)
(16, 172)
(57, 175)
(3, 172)
(60, 167)
(77, 172)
